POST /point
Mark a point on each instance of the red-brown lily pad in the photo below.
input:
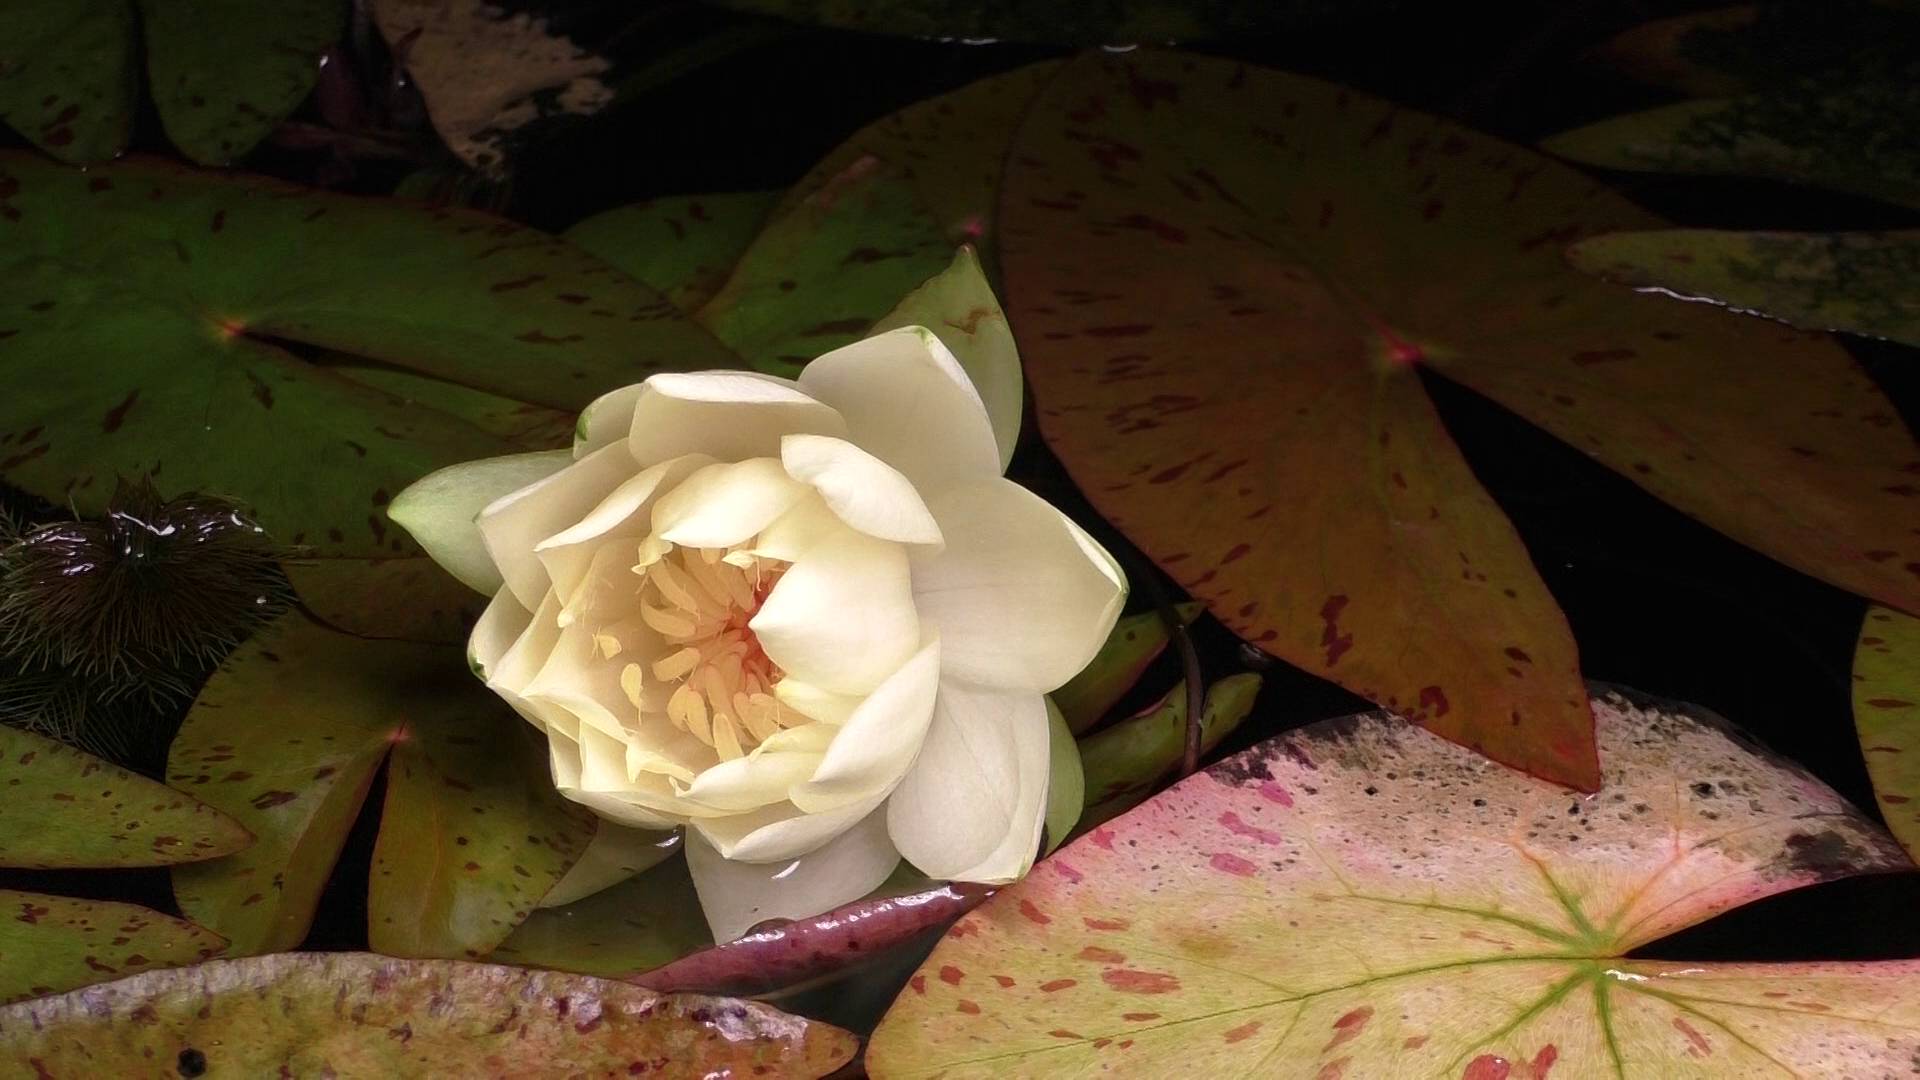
(1361, 898)
(1224, 281)
(1886, 714)
(355, 1014)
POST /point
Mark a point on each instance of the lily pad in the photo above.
(51, 944)
(67, 75)
(1361, 898)
(1726, 51)
(638, 925)
(63, 808)
(152, 304)
(287, 737)
(1136, 641)
(1124, 762)
(1117, 22)
(1886, 712)
(354, 1014)
(1317, 246)
(408, 598)
(1865, 283)
(683, 246)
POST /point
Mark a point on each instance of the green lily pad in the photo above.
(355, 1014)
(824, 271)
(1136, 641)
(683, 246)
(1726, 51)
(1361, 898)
(1886, 714)
(640, 924)
(150, 302)
(1865, 283)
(408, 598)
(66, 75)
(287, 736)
(524, 424)
(51, 944)
(63, 808)
(1124, 762)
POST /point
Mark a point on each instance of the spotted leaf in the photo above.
(50, 944)
(67, 75)
(63, 808)
(1361, 898)
(1864, 283)
(356, 1014)
(683, 246)
(1886, 712)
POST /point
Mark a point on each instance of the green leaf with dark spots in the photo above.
(1123, 763)
(1865, 283)
(1886, 715)
(360, 1015)
(472, 835)
(638, 925)
(156, 307)
(526, 425)
(1134, 643)
(407, 599)
(821, 274)
(50, 944)
(66, 75)
(682, 245)
(61, 808)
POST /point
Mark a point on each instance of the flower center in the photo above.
(700, 601)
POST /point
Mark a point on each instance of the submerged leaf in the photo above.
(1134, 643)
(1125, 761)
(640, 924)
(355, 1014)
(1886, 713)
(62, 808)
(1866, 283)
(50, 944)
(1224, 280)
(1360, 898)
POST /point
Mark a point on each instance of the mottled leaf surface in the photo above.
(408, 598)
(1360, 898)
(67, 76)
(526, 425)
(64, 808)
(1886, 712)
(1727, 51)
(1866, 283)
(50, 944)
(1133, 644)
(226, 72)
(1313, 246)
(683, 246)
(1124, 762)
(149, 303)
(823, 272)
(355, 1014)
(287, 737)
(640, 924)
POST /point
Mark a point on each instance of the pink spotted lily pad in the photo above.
(1360, 898)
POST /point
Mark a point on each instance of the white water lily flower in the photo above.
(807, 620)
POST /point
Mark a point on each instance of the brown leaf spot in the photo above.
(117, 415)
(1133, 981)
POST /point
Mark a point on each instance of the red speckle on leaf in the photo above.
(1102, 956)
(1542, 1062)
(1333, 1070)
(1066, 870)
(1889, 703)
(1238, 551)
(1414, 1042)
(919, 984)
(1514, 652)
(1056, 985)
(1232, 864)
(1139, 1017)
(1698, 1046)
(1106, 924)
(117, 415)
(951, 975)
(1063, 1033)
(1003, 981)
(968, 1007)
(1233, 823)
(1102, 838)
(1243, 1032)
(1273, 792)
(1349, 1026)
(1434, 700)
(1034, 914)
(1486, 1067)
(1131, 981)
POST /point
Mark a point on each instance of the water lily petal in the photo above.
(860, 489)
(568, 765)
(797, 531)
(972, 806)
(438, 511)
(512, 525)
(725, 504)
(1023, 598)
(751, 782)
(512, 670)
(606, 419)
(615, 854)
(877, 744)
(737, 895)
(778, 832)
(623, 514)
(809, 700)
(732, 415)
(906, 401)
(499, 626)
(842, 617)
(581, 679)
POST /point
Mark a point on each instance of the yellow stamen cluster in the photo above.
(700, 601)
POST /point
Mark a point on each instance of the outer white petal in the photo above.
(568, 767)
(860, 489)
(876, 745)
(731, 415)
(973, 805)
(615, 854)
(497, 629)
(907, 402)
(1023, 598)
(726, 503)
(438, 509)
(959, 307)
(512, 525)
(842, 618)
(1066, 779)
(607, 419)
(622, 514)
(779, 832)
(737, 895)
(512, 670)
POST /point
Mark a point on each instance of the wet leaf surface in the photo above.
(287, 737)
(683, 246)
(64, 808)
(355, 1014)
(67, 75)
(1316, 246)
(1125, 761)
(50, 944)
(638, 925)
(1361, 898)
(1136, 641)
(406, 599)
(1866, 283)
(191, 283)
(1886, 713)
